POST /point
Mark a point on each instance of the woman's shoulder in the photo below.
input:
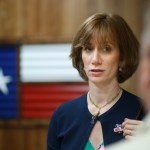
(74, 102)
(133, 103)
(71, 105)
(129, 95)
(130, 101)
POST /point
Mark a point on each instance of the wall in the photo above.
(52, 21)
(57, 21)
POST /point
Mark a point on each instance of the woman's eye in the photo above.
(107, 49)
(87, 49)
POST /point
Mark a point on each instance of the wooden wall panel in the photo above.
(23, 135)
(10, 20)
(43, 21)
(131, 11)
(42, 138)
(31, 140)
(1, 138)
(12, 139)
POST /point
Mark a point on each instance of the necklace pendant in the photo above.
(93, 119)
(98, 113)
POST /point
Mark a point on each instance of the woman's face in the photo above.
(101, 61)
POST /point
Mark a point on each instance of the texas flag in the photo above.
(44, 79)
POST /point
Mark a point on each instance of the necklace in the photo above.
(99, 108)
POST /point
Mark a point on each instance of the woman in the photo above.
(105, 53)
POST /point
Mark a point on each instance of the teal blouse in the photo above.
(89, 146)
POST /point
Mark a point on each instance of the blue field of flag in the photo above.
(8, 82)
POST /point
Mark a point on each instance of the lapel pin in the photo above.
(118, 128)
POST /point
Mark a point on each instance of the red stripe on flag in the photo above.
(40, 100)
(47, 96)
(40, 114)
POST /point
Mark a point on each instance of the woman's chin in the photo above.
(96, 80)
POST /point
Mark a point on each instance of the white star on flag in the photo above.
(3, 82)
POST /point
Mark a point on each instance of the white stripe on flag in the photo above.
(47, 63)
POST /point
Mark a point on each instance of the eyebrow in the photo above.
(101, 43)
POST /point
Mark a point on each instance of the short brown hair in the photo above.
(104, 26)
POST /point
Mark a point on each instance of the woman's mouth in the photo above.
(96, 72)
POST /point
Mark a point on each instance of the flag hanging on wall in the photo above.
(45, 80)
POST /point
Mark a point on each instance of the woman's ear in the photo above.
(121, 65)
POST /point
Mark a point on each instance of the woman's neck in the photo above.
(101, 93)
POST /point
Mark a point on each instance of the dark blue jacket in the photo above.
(71, 125)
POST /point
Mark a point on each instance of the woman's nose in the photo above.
(96, 59)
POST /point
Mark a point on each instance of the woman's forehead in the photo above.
(102, 41)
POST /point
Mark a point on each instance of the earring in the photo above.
(120, 69)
